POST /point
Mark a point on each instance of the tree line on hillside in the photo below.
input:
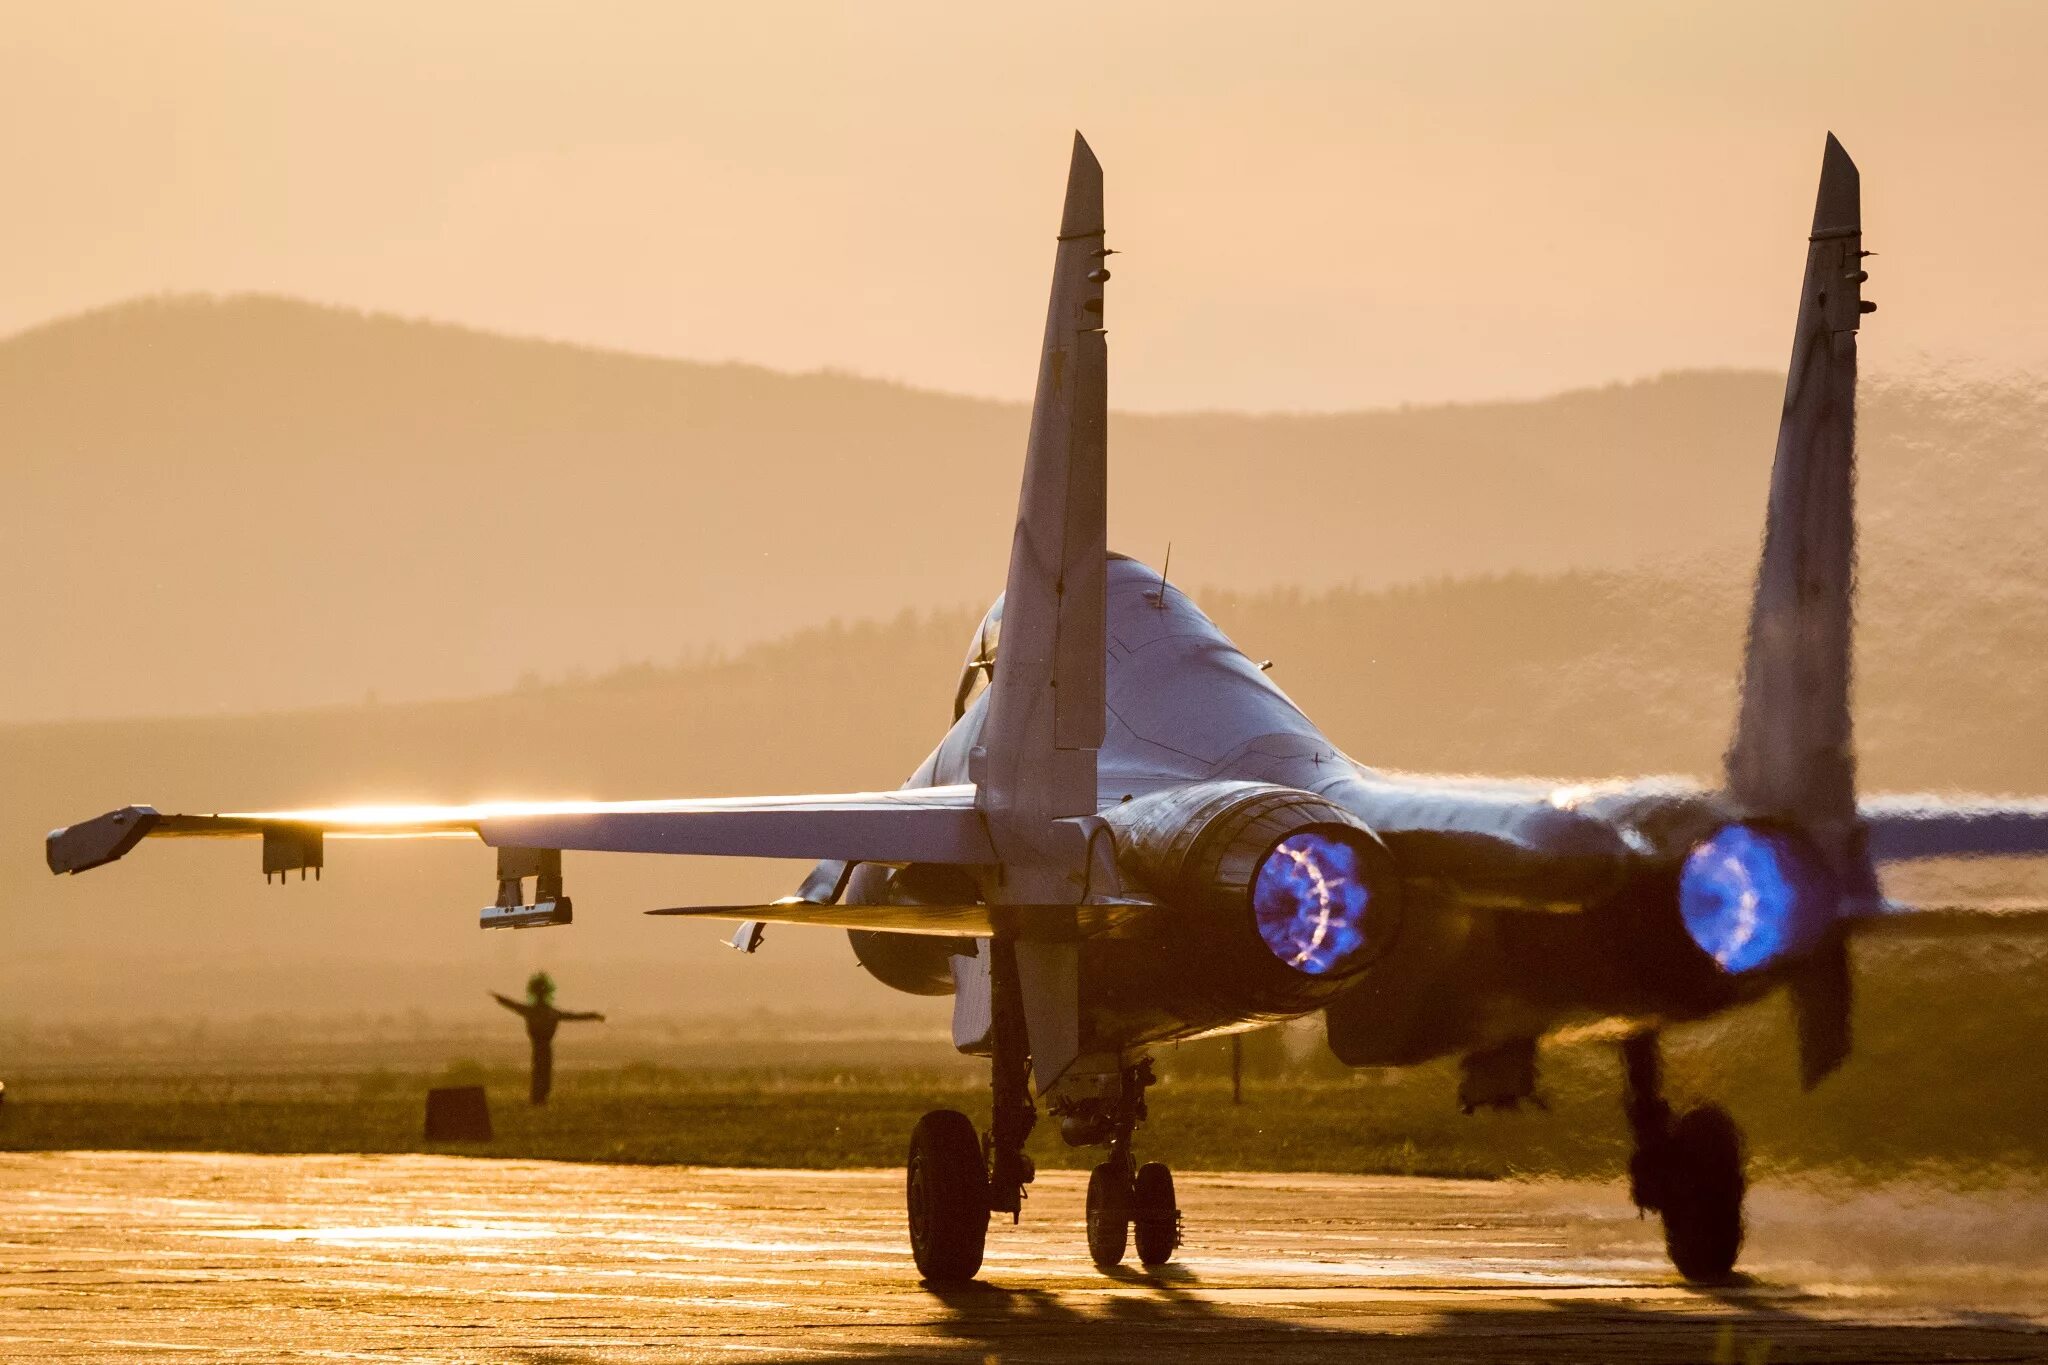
(271, 504)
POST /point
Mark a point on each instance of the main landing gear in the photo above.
(1688, 1168)
(956, 1178)
(947, 1194)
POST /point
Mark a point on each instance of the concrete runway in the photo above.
(126, 1256)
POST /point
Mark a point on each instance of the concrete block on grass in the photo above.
(458, 1113)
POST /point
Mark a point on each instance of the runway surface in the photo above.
(145, 1256)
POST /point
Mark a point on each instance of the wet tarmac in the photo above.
(146, 1256)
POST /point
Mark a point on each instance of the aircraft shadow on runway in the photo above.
(1738, 1324)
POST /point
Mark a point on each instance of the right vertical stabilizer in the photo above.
(1793, 758)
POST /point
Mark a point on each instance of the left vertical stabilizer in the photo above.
(1045, 719)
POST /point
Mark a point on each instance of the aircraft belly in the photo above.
(1136, 992)
(1463, 979)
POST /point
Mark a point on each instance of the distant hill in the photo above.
(1576, 675)
(218, 506)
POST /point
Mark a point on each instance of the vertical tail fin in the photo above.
(1035, 768)
(1045, 718)
(1793, 757)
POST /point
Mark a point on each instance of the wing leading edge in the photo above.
(918, 824)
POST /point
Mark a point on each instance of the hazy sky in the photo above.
(1322, 205)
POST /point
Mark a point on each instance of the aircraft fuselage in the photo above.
(1523, 906)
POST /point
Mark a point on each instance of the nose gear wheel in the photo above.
(1155, 1217)
(1109, 1213)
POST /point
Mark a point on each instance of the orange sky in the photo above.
(1322, 205)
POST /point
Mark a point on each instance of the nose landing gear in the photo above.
(1155, 1217)
(1126, 1201)
(1138, 1207)
(1688, 1168)
(1109, 1212)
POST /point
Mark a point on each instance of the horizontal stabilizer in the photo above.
(1036, 922)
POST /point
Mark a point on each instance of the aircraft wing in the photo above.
(919, 824)
(1908, 827)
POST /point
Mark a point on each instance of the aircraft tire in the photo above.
(1703, 1189)
(946, 1191)
(1109, 1214)
(1155, 1221)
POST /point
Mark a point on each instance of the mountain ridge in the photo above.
(83, 322)
(241, 504)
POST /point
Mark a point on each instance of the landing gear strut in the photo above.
(1124, 1198)
(956, 1178)
(1012, 1113)
(1688, 1168)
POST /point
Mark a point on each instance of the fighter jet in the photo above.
(1130, 836)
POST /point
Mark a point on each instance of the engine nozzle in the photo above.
(1311, 898)
(1288, 897)
(1753, 896)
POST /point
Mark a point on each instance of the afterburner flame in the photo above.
(1310, 902)
(1751, 897)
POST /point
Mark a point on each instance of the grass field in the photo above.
(1947, 1083)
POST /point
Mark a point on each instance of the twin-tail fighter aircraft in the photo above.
(1130, 836)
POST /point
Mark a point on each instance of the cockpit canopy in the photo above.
(979, 668)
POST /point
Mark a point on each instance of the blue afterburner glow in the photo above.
(1752, 896)
(1310, 902)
